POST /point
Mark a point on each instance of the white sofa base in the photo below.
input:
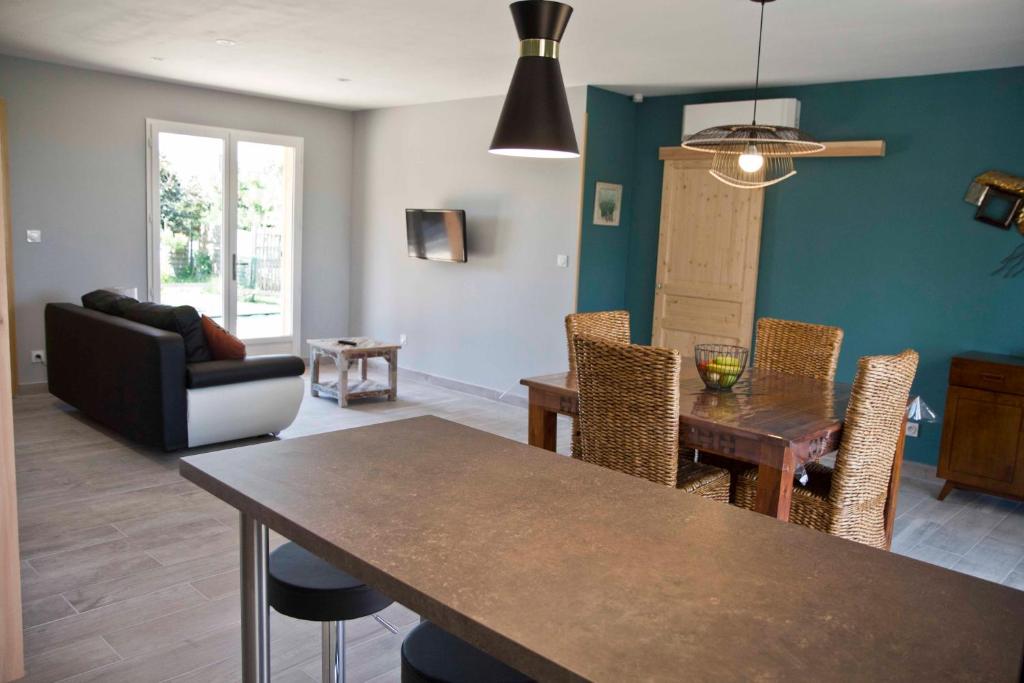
(242, 410)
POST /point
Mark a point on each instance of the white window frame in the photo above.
(231, 138)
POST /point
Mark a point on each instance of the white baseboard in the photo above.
(464, 387)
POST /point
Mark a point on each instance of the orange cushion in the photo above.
(223, 345)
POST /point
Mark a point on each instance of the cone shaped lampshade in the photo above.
(535, 120)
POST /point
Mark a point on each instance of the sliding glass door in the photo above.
(190, 244)
(265, 224)
(224, 214)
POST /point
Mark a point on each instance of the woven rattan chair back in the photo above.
(871, 432)
(798, 348)
(607, 325)
(629, 408)
(610, 326)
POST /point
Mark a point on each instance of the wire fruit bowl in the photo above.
(720, 365)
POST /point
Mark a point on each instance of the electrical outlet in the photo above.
(401, 339)
(39, 356)
(34, 236)
(912, 428)
(562, 261)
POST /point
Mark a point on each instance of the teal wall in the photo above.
(885, 248)
(604, 250)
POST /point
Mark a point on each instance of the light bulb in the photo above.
(750, 161)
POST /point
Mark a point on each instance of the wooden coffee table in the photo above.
(362, 350)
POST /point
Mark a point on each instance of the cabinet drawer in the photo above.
(987, 376)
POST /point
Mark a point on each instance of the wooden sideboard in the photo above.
(983, 428)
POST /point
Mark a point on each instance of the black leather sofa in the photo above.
(135, 379)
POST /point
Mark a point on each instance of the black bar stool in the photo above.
(432, 655)
(302, 586)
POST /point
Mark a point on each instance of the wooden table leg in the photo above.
(365, 366)
(314, 371)
(775, 485)
(343, 381)
(393, 375)
(543, 427)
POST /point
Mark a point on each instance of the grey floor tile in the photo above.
(45, 610)
(1011, 529)
(991, 559)
(932, 555)
(971, 524)
(1015, 579)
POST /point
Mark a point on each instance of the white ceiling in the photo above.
(410, 51)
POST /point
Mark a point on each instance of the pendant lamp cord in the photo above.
(757, 75)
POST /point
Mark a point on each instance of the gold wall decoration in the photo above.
(999, 197)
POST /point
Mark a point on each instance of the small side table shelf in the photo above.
(362, 351)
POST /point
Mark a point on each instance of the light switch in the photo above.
(34, 236)
(562, 260)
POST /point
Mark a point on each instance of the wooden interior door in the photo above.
(708, 250)
(11, 654)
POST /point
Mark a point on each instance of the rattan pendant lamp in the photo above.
(753, 155)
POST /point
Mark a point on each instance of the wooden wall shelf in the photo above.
(833, 148)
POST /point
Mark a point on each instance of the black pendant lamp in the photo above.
(535, 121)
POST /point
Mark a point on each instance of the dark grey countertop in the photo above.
(569, 571)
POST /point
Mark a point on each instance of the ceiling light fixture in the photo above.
(755, 155)
(535, 120)
(225, 42)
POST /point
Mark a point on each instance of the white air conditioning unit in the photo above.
(780, 112)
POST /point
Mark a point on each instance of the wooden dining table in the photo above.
(770, 419)
(572, 572)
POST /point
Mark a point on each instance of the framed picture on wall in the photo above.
(607, 203)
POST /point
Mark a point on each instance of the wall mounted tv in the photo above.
(436, 234)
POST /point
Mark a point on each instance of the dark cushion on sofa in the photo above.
(105, 301)
(181, 319)
(218, 372)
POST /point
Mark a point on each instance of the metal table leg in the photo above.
(254, 551)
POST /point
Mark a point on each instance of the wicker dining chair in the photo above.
(607, 325)
(849, 501)
(629, 414)
(798, 348)
(794, 348)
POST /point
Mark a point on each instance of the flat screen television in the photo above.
(436, 234)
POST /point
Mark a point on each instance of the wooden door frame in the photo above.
(6, 228)
(12, 656)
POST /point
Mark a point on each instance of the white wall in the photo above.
(498, 317)
(77, 162)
